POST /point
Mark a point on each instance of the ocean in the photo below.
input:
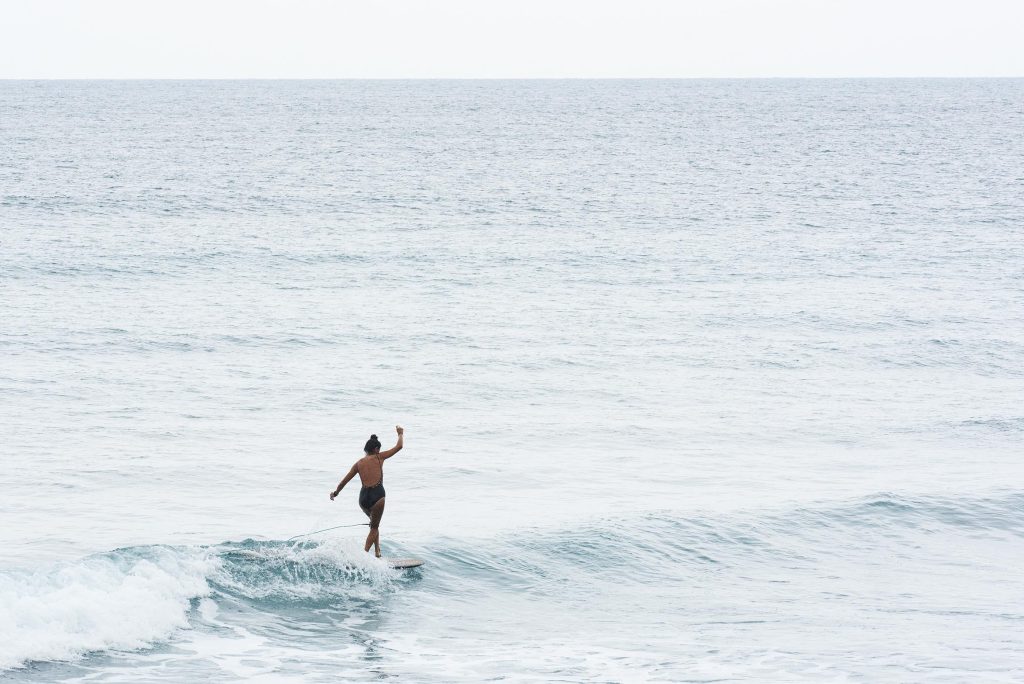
(703, 381)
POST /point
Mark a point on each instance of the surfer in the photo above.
(371, 497)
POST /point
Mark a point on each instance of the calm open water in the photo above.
(702, 380)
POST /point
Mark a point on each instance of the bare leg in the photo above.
(370, 538)
(373, 538)
(370, 534)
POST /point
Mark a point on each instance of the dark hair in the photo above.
(372, 445)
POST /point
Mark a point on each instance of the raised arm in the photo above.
(341, 485)
(398, 447)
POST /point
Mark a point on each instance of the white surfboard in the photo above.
(403, 563)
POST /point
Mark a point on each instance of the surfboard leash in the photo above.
(326, 529)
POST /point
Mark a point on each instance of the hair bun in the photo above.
(373, 436)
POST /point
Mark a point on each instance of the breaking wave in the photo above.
(135, 597)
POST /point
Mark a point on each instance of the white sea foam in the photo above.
(131, 598)
(294, 572)
(120, 600)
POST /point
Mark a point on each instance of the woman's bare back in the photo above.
(370, 469)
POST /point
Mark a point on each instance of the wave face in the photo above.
(833, 567)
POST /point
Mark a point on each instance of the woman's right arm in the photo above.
(398, 447)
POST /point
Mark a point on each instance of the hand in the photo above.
(400, 430)
(333, 494)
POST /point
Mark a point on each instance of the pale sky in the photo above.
(509, 38)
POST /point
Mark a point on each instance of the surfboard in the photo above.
(403, 563)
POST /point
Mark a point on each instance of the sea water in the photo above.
(701, 380)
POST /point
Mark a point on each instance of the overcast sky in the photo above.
(508, 38)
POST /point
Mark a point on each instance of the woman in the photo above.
(371, 497)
